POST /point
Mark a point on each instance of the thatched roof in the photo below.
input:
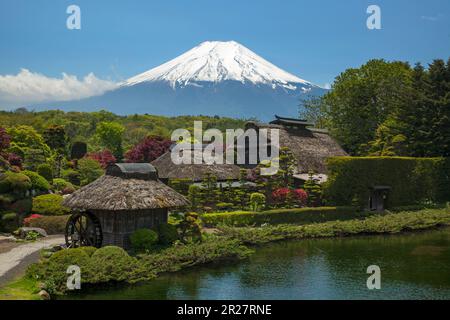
(311, 147)
(196, 172)
(121, 188)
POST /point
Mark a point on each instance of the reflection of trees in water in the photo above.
(416, 258)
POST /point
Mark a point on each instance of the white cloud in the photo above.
(431, 18)
(30, 87)
(327, 86)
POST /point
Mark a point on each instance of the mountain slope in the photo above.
(214, 78)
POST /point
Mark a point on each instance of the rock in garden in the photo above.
(44, 295)
(23, 232)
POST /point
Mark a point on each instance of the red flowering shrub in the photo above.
(27, 220)
(104, 157)
(285, 195)
(300, 196)
(148, 149)
(280, 195)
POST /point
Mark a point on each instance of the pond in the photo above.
(413, 266)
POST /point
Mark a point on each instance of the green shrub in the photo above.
(49, 205)
(257, 201)
(14, 182)
(167, 234)
(60, 184)
(143, 239)
(280, 216)
(89, 250)
(51, 224)
(46, 171)
(113, 264)
(413, 180)
(38, 182)
(190, 228)
(9, 221)
(71, 176)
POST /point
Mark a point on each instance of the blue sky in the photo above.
(315, 40)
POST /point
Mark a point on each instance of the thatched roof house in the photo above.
(195, 172)
(311, 147)
(128, 197)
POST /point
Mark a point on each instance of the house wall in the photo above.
(117, 226)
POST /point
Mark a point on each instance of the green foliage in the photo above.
(167, 234)
(194, 196)
(71, 176)
(49, 205)
(362, 99)
(89, 170)
(51, 224)
(190, 228)
(26, 137)
(112, 264)
(181, 185)
(61, 184)
(8, 221)
(377, 224)
(14, 182)
(110, 135)
(46, 171)
(413, 180)
(213, 249)
(280, 216)
(257, 201)
(143, 240)
(38, 182)
(314, 191)
(55, 138)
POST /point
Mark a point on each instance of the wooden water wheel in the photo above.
(83, 229)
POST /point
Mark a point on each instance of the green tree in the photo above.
(110, 135)
(364, 98)
(89, 170)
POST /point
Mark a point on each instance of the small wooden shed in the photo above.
(128, 197)
(378, 198)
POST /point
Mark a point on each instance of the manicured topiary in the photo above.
(167, 234)
(38, 182)
(49, 205)
(143, 239)
(257, 201)
(46, 171)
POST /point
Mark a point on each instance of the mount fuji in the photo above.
(213, 78)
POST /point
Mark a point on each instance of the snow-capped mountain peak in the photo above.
(216, 61)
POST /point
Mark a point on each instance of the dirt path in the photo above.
(14, 261)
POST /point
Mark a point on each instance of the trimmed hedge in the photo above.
(280, 216)
(413, 180)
